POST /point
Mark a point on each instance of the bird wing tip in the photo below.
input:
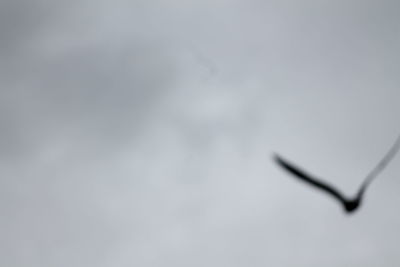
(277, 157)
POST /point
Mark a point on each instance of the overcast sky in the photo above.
(140, 133)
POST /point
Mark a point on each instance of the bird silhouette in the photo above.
(349, 204)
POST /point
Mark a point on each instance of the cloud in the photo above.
(139, 132)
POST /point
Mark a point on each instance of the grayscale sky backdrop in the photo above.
(140, 133)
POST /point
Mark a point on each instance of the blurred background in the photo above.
(140, 133)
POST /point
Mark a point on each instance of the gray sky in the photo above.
(140, 133)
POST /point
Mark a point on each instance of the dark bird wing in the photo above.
(380, 166)
(297, 172)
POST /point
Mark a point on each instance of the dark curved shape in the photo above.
(349, 204)
(311, 180)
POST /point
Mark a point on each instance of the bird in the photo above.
(350, 205)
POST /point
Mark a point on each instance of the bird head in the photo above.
(351, 206)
